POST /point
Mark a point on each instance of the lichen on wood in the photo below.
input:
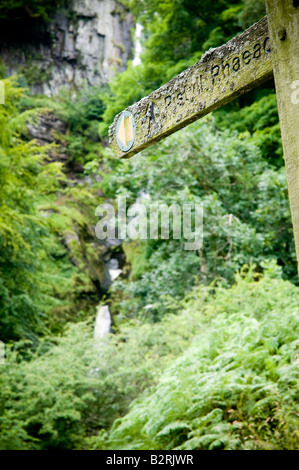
(221, 75)
(284, 31)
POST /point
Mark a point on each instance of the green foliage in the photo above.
(82, 108)
(82, 111)
(251, 12)
(43, 281)
(25, 173)
(193, 362)
(260, 120)
(17, 9)
(235, 387)
(244, 198)
(217, 375)
(177, 29)
(71, 390)
(34, 74)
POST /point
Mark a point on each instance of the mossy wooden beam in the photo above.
(284, 31)
(220, 76)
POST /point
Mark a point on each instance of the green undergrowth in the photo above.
(50, 271)
(222, 374)
(236, 384)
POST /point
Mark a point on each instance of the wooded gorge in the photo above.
(203, 348)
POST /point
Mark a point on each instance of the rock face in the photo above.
(84, 45)
(44, 128)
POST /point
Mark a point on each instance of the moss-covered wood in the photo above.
(220, 76)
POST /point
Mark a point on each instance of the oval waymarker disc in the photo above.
(125, 131)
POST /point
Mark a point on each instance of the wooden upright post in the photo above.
(283, 23)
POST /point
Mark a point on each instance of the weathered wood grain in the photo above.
(220, 76)
(284, 31)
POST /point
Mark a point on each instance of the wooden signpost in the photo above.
(221, 75)
(284, 31)
(269, 47)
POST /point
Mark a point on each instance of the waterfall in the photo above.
(103, 322)
(137, 45)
